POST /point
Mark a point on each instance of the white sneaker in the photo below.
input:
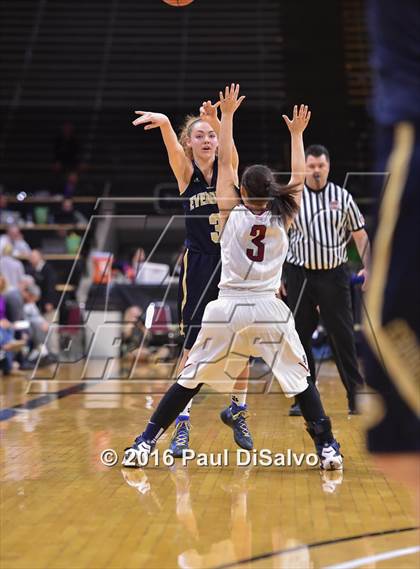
(329, 456)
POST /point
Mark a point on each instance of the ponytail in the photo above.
(260, 184)
(283, 200)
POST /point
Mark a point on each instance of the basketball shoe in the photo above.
(181, 436)
(295, 410)
(327, 448)
(329, 454)
(142, 450)
(235, 417)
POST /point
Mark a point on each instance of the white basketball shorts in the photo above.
(237, 326)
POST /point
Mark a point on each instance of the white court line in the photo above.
(379, 557)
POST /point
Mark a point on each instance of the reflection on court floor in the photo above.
(69, 510)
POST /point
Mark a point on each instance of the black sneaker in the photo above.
(295, 410)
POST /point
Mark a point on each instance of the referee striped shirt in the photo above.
(320, 232)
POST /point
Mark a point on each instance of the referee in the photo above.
(316, 273)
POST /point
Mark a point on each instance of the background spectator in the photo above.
(11, 269)
(70, 186)
(14, 237)
(8, 342)
(14, 300)
(67, 149)
(68, 215)
(46, 279)
(39, 354)
(7, 216)
(137, 260)
(6, 333)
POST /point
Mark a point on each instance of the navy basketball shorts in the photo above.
(392, 323)
(198, 285)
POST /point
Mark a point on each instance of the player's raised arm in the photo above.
(208, 113)
(178, 161)
(296, 126)
(226, 195)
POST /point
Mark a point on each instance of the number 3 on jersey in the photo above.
(214, 219)
(258, 234)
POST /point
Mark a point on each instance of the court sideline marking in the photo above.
(311, 546)
(9, 412)
(378, 557)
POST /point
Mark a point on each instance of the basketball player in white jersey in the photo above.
(193, 159)
(247, 319)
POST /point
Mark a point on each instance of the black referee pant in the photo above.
(330, 291)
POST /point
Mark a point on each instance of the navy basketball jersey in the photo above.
(201, 213)
(395, 59)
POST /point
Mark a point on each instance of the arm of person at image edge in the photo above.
(226, 195)
(296, 126)
(361, 240)
(180, 163)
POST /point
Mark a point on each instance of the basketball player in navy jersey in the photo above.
(193, 159)
(392, 323)
(247, 319)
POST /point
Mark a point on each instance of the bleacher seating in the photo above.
(94, 63)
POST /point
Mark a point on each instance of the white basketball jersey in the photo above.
(253, 251)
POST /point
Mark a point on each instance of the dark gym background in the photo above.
(94, 62)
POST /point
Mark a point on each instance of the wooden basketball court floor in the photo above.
(62, 508)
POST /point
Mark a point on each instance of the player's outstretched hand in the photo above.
(299, 120)
(151, 120)
(230, 100)
(208, 111)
